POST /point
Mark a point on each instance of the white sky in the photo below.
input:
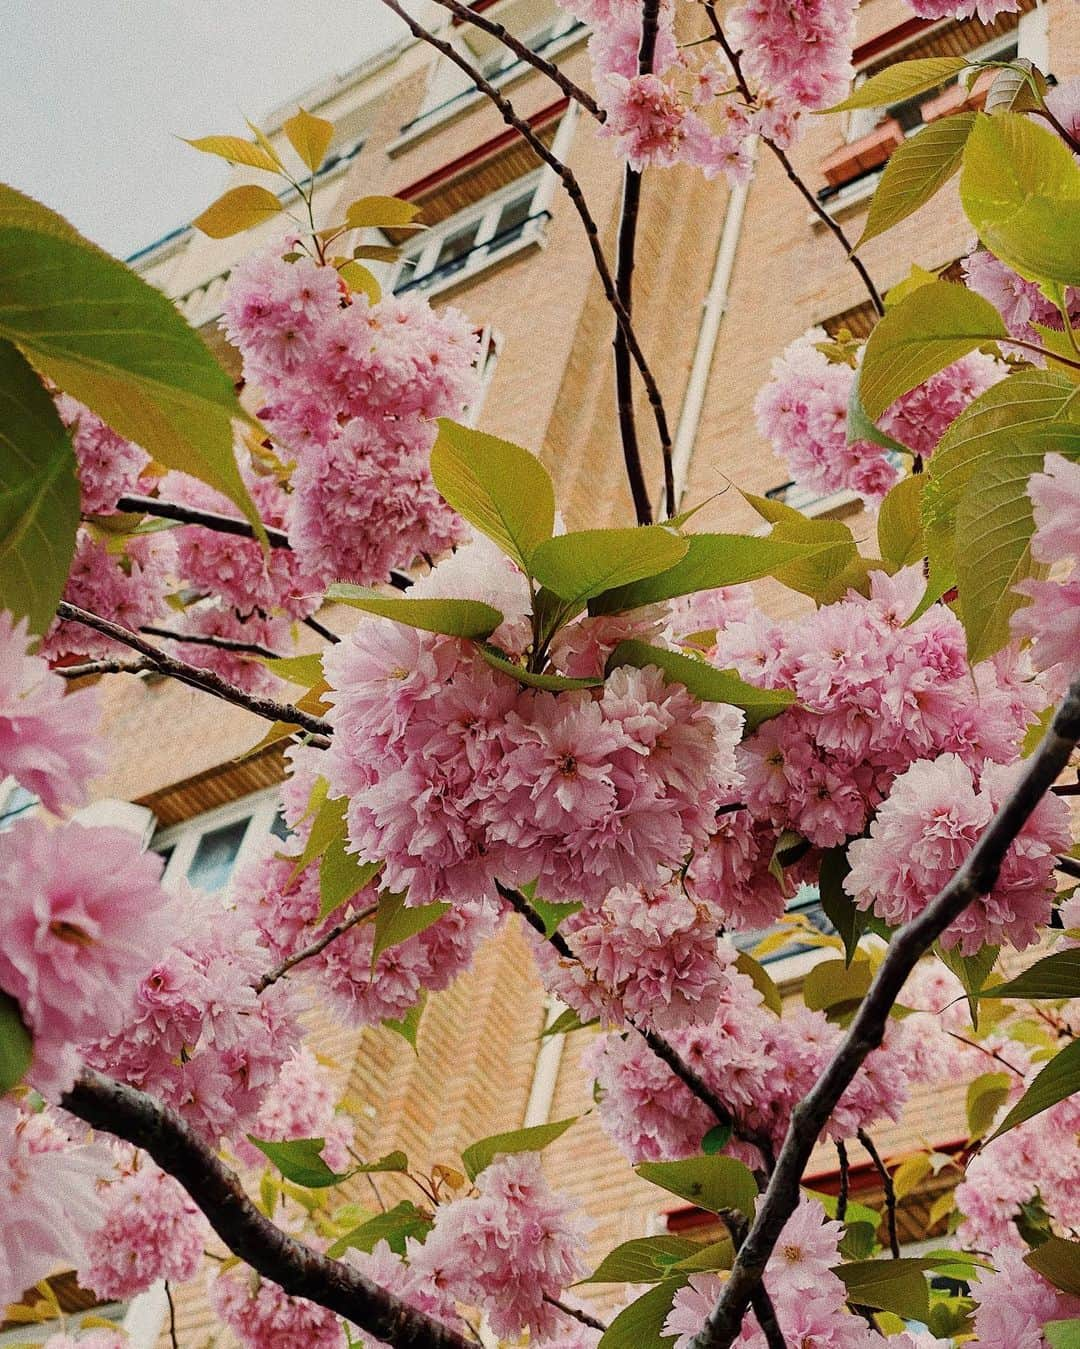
(93, 94)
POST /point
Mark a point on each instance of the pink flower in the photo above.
(985, 10)
(152, 1230)
(645, 119)
(1055, 496)
(109, 466)
(263, 1316)
(411, 1285)
(506, 1249)
(302, 1104)
(1019, 302)
(1013, 1303)
(48, 740)
(84, 917)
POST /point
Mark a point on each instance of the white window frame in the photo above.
(486, 361)
(418, 261)
(183, 838)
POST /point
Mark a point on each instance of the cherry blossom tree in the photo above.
(598, 734)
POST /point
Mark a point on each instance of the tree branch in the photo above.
(272, 976)
(221, 643)
(624, 385)
(96, 667)
(526, 54)
(299, 1270)
(845, 1180)
(206, 680)
(763, 1309)
(832, 225)
(575, 1312)
(976, 877)
(887, 1185)
(188, 515)
(573, 191)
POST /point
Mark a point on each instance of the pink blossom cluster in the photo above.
(1019, 302)
(48, 741)
(1013, 1303)
(457, 775)
(201, 1039)
(924, 831)
(809, 1299)
(48, 1190)
(651, 955)
(759, 1065)
(352, 390)
(244, 670)
(285, 912)
(1052, 619)
(413, 1286)
(84, 917)
(506, 1249)
(109, 466)
(127, 586)
(1033, 1159)
(802, 412)
(302, 1104)
(874, 693)
(263, 1316)
(152, 1230)
(984, 10)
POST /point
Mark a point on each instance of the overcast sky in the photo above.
(93, 94)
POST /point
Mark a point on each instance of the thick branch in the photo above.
(300, 1271)
(976, 877)
(205, 680)
(887, 1185)
(526, 54)
(272, 976)
(826, 219)
(624, 382)
(573, 191)
(188, 515)
(765, 1312)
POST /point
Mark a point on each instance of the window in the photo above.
(872, 134)
(206, 850)
(806, 905)
(486, 360)
(474, 238)
(15, 802)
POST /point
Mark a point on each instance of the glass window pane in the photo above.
(216, 854)
(279, 828)
(512, 219)
(454, 249)
(17, 803)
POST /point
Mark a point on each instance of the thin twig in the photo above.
(990, 1053)
(573, 190)
(172, 1317)
(1066, 789)
(811, 200)
(1069, 866)
(887, 1185)
(97, 667)
(763, 1309)
(272, 976)
(526, 54)
(206, 680)
(624, 383)
(576, 1313)
(296, 1268)
(845, 1179)
(976, 877)
(204, 639)
(324, 632)
(188, 515)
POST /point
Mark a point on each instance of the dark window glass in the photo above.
(216, 855)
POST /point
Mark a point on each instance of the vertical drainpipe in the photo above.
(708, 331)
(545, 1070)
(560, 148)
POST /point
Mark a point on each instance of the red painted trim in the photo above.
(892, 37)
(480, 152)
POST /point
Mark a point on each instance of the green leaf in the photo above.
(893, 1285)
(497, 486)
(553, 683)
(860, 426)
(827, 575)
(717, 1139)
(1018, 88)
(840, 909)
(236, 150)
(761, 979)
(342, 876)
(16, 1046)
(327, 825)
(643, 1260)
(916, 277)
(705, 681)
(856, 1212)
(39, 495)
(712, 1183)
(395, 922)
(639, 1325)
(915, 171)
(239, 209)
(716, 1255)
(409, 1025)
(394, 1227)
(482, 1153)
(1062, 1334)
(299, 1160)
(910, 1174)
(1020, 188)
(309, 136)
(901, 81)
(580, 565)
(711, 560)
(1059, 1079)
(1055, 976)
(381, 213)
(1058, 1260)
(456, 618)
(934, 326)
(393, 1161)
(834, 983)
(553, 914)
(304, 670)
(994, 521)
(565, 1023)
(985, 1097)
(109, 339)
(360, 278)
(972, 971)
(899, 526)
